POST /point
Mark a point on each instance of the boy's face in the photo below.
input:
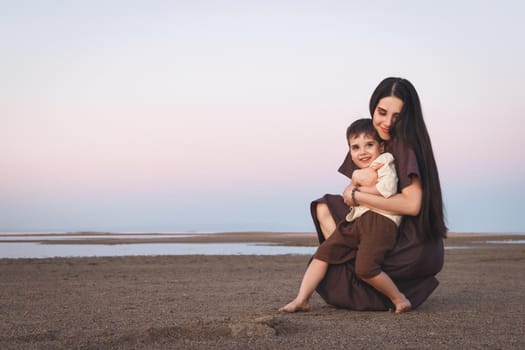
(364, 150)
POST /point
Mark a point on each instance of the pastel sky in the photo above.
(230, 115)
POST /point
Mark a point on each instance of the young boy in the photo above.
(365, 235)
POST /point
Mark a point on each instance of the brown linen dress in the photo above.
(411, 264)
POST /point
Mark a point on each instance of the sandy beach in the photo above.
(230, 302)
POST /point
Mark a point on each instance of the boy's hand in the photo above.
(377, 166)
(366, 176)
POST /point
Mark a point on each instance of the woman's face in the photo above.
(386, 113)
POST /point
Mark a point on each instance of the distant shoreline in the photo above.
(173, 233)
(274, 238)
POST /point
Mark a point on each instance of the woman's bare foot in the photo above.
(402, 305)
(295, 306)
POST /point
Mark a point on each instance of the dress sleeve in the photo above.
(348, 167)
(406, 164)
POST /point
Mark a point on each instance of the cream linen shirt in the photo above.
(386, 185)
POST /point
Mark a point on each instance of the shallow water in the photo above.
(22, 249)
(43, 237)
(507, 241)
(36, 250)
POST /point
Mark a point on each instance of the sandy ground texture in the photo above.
(230, 302)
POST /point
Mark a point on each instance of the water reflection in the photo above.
(507, 241)
(35, 250)
(41, 237)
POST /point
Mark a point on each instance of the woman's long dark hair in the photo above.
(410, 128)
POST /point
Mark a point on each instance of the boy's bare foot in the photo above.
(402, 305)
(295, 306)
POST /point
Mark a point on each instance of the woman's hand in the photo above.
(366, 176)
(347, 195)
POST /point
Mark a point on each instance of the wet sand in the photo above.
(230, 302)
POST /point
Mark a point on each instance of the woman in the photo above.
(418, 254)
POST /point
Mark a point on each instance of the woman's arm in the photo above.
(370, 189)
(408, 202)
